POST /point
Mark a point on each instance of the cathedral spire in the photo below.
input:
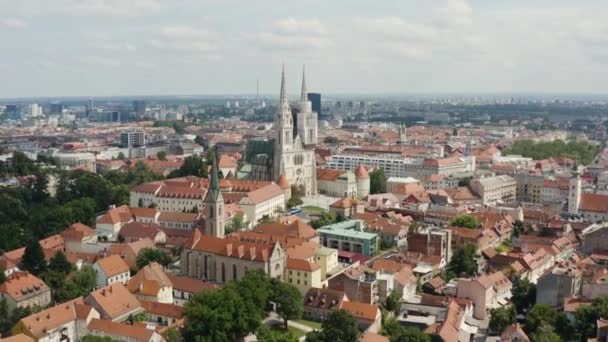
(304, 96)
(283, 97)
(214, 186)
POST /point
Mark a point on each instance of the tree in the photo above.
(294, 202)
(392, 302)
(463, 261)
(161, 155)
(237, 223)
(377, 181)
(149, 255)
(33, 258)
(266, 334)
(410, 334)
(173, 335)
(93, 338)
(465, 181)
(340, 326)
(40, 186)
(121, 156)
(59, 263)
(523, 295)
(545, 333)
(541, 314)
(465, 221)
(331, 140)
(501, 318)
(256, 287)
(587, 316)
(289, 301)
(323, 220)
(220, 315)
(518, 228)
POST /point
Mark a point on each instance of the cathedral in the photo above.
(292, 152)
(294, 148)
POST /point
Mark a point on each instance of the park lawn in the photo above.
(312, 208)
(295, 331)
(312, 324)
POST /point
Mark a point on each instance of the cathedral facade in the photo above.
(296, 139)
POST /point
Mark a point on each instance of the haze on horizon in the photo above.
(156, 47)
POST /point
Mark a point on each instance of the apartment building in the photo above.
(495, 189)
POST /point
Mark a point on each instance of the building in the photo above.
(393, 167)
(185, 288)
(294, 156)
(268, 201)
(439, 166)
(496, 189)
(22, 289)
(594, 237)
(349, 236)
(115, 303)
(133, 138)
(486, 292)
(110, 270)
(223, 259)
(338, 183)
(529, 187)
(139, 107)
(303, 274)
(315, 101)
(63, 322)
(152, 284)
(553, 287)
(124, 332)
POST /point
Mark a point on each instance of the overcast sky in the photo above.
(157, 47)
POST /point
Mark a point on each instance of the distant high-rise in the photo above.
(139, 107)
(90, 106)
(315, 99)
(133, 138)
(57, 108)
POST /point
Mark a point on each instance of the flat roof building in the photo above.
(349, 236)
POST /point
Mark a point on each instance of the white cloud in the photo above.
(184, 39)
(183, 32)
(396, 28)
(99, 61)
(295, 34)
(81, 7)
(301, 26)
(13, 23)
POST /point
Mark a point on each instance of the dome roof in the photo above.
(282, 182)
(361, 172)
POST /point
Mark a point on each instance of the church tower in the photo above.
(402, 135)
(574, 194)
(294, 148)
(306, 118)
(214, 206)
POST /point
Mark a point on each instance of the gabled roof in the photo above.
(190, 285)
(114, 300)
(116, 215)
(113, 265)
(77, 232)
(364, 311)
(134, 332)
(149, 280)
(140, 230)
(21, 285)
(40, 323)
(301, 265)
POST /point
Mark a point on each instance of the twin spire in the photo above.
(304, 94)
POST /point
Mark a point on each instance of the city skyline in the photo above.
(156, 47)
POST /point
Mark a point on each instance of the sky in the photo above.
(166, 47)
